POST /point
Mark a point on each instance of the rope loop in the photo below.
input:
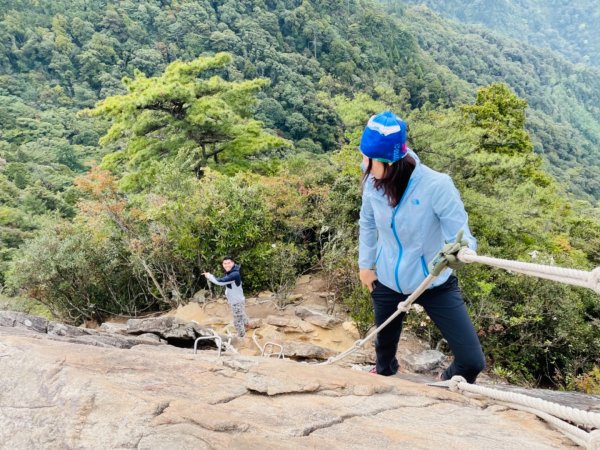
(455, 381)
(359, 343)
(594, 440)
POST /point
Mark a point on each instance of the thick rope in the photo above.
(591, 440)
(573, 277)
(256, 342)
(564, 412)
(549, 411)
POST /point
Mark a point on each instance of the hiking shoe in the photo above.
(373, 371)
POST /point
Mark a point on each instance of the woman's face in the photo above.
(377, 167)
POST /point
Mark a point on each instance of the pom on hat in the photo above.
(384, 138)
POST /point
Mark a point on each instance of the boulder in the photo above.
(113, 327)
(304, 312)
(306, 351)
(254, 323)
(167, 327)
(289, 324)
(317, 318)
(424, 361)
(113, 340)
(22, 320)
(61, 329)
(150, 337)
(323, 321)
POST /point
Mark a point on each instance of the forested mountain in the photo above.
(564, 99)
(569, 27)
(57, 58)
(231, 127)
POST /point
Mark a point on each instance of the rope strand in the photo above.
(549, 411)
(573, 277)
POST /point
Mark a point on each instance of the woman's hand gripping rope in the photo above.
(448, 255)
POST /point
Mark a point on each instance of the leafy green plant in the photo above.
(588, 382)
(360, 309)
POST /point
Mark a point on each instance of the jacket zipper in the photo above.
(400, 249)
(424, 266)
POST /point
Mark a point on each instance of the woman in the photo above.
(408, 213)
(232, 281)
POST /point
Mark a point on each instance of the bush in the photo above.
(26, 305)
(77, 277)
(588, 382)
(360, 307)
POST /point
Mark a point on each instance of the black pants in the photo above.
(445, 306)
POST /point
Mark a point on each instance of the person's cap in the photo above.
(384, 138)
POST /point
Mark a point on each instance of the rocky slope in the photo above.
(60, 394)
(122, 385)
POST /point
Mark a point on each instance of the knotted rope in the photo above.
(549, 411)
(573, 277)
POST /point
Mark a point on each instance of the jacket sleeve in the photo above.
(450, 210)
(367, 239)
(223, 281)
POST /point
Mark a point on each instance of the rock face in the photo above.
(317, 318)
(424, 361)
(168, 327)
(22, 320)
(68, 333)
(56, 394)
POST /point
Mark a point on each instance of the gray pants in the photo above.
(240, 320)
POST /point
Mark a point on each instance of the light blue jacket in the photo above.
(399, 242)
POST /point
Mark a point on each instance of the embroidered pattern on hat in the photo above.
(386, 130)
(397, 148)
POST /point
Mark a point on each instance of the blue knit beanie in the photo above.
(384, 138)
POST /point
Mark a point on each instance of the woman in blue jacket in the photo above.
(408, 213)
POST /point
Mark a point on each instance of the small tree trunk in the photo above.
(155, 281)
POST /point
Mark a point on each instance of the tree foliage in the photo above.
(564, 26)
(180, 116)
